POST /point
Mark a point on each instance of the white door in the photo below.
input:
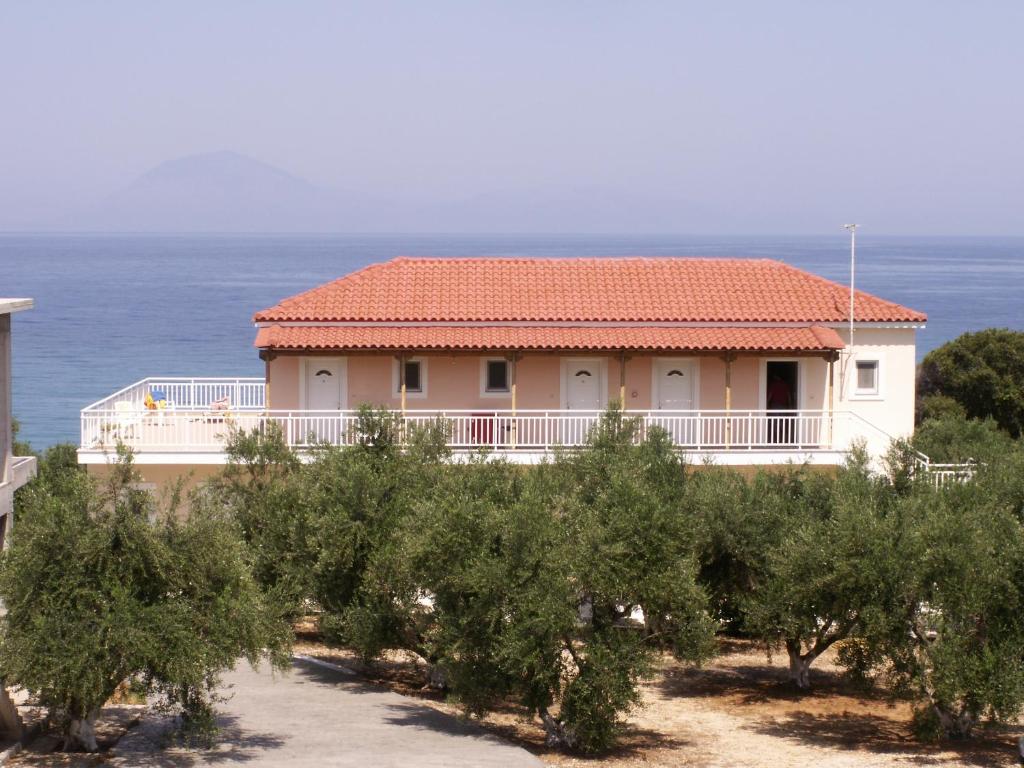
(325, 396)
(583, 385)
(675, 385)
(582, 393)
(676, 392)
(324, 384)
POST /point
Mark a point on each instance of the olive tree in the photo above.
(953, 635)
(100, 589)
(830, 569)
(555, 584)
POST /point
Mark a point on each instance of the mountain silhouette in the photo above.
(226, 192)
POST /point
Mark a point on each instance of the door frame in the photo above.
(762, 383)
(602, 380)
(343, 380)
(693, 362)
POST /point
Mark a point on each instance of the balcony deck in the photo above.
(193, 428)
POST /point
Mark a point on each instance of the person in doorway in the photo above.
(779, 397)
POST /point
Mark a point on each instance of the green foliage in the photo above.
(555, 586)
(952, 633)
(101, 589)
(955, 439)
(510, 557)
(829, 567)
(983, 372)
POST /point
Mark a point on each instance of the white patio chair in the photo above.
(127, 416)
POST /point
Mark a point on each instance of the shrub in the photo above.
(983, 372)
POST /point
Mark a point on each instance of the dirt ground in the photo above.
(113, 723)
(737, 710)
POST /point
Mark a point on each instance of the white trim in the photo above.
(602, 377)
(503, 394)
(762, 381)
(839, 324)
(342, 380)
(878, 394)
(396, 385)
(723, 458)
(10, 306)
(656, 379)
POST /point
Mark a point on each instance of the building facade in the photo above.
(741, 361)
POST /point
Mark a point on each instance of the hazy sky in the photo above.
(906, 115)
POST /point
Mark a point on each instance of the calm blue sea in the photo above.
(114, 309)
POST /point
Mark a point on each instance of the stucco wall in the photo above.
(453, 382)
(161, 478)
(283, 379)
(893, 408)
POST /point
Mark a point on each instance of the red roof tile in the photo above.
(653, 338)
(581, 290)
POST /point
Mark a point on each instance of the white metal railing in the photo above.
(943, 474)
(189, 393)
(192, 421)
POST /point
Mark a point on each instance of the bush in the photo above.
(983, 372)
(956, 439)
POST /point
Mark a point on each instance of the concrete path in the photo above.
(321, 717)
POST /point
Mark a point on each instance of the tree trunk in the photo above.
(80, 734)
(437, 678)
(556, 734)
(956, 726)
(799, 665)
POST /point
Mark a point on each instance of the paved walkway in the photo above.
(320, 717)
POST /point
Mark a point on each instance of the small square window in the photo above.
(413, 381)
(867, 377)
(497, 376)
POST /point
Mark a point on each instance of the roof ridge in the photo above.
(575, 259)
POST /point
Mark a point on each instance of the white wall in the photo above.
(892, 409)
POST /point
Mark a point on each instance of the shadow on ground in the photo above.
(836, 713)
(155, 744)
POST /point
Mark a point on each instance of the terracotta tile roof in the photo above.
(584, 289)
(607, 338)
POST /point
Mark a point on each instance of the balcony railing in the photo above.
(206, 430)
(192, 414)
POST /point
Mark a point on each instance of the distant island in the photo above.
(229, 192)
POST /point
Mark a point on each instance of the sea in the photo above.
(113, 309)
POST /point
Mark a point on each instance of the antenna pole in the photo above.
(853, 272)
(852, 228)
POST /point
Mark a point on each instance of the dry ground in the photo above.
(736, 711)
(113, 723)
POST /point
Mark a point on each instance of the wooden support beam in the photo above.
(401, 379)
(728, 398)
(622, 380)
(512, 386)
(831, 396)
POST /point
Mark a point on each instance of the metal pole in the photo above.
(853, 269)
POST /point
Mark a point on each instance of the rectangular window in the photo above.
(867, 377)
(497, 376)
(413, 381)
